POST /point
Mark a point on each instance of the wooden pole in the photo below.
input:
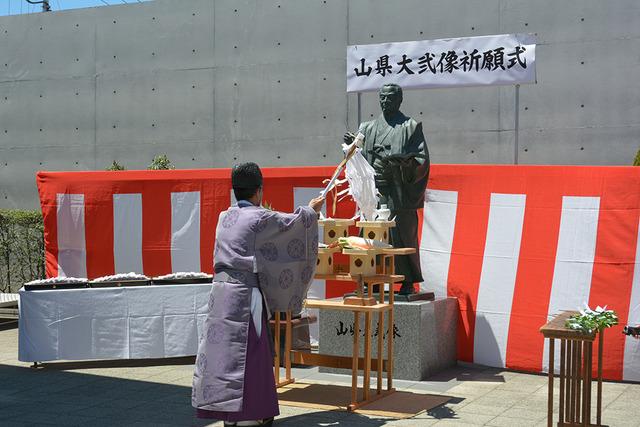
(563, 360)
(380, 341)
(570, 393)
(575, 392)
(277, 342)
(551, 372)
(578, 381)
(367, 355)
(354, 363)
(287, 347)
(599, 397)
(390, 330)
(589, 378)
(585, 383)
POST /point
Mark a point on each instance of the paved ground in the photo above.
(158, 394)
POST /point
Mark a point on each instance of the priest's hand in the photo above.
(316, 204)
(348, 138)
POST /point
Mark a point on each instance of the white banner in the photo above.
(471, 61)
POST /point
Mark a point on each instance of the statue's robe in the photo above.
(264, 262)
(403, 187)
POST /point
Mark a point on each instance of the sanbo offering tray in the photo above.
(182, 281)
(61, 285)
(120, 283)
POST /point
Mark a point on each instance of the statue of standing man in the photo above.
(396, 148)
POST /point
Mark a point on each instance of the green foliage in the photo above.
(160, 162)
(21, 248)
(115, 166)
(636, 161)
(592, 320)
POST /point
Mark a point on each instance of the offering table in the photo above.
(576, 366)
(112, 323)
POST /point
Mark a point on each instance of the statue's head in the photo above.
(246, 180)
(390, 98)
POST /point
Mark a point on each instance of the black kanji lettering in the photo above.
(516, 57)
(498, 58)
(382, 65)
(470, 61)
(341, 330)
(448, 62)
(403, 65)
(425, 63)
(487, 60)
(361, 72)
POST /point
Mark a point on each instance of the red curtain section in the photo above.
(617, 188)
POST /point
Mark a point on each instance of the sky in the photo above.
(16, 7)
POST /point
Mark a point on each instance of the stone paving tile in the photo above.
(525, 414)
(476, 408)
(511, 422)
(455, 423)
(410, 422)
(466, 417)
(103, 394)
(619, 418)
(57, 419)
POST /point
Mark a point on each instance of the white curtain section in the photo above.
(575, 254)
(301, 197)
(631, 367)
(498, 278)
(185, 231)
(127, 233)
(72, 253)
(362, 186)
(438, 224)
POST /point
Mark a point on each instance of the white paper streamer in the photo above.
(362, 185)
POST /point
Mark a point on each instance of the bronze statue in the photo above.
(395, 146)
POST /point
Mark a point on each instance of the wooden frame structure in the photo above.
(363, 303)
(576, 369)
(366, 363)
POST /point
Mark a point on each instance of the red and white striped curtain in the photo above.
(514, 244)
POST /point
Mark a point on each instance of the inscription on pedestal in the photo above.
(424, 337)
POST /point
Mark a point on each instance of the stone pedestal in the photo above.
(425, 337)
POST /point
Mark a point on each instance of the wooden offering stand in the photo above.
(376, 230)
(576, 367)
(369, 267)
(334, 228)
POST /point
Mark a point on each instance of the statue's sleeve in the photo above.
(418, 171)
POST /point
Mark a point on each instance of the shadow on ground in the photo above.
(463, 373)
(54, 396)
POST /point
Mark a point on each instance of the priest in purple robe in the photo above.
(264, 262)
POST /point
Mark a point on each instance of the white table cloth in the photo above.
(112, 323)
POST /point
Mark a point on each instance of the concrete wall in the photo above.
(212, 82)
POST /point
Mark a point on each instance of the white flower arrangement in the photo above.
(590, 321)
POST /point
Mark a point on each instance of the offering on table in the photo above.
(353, 242)
(122, 279)
(183, 277)
(57, 283)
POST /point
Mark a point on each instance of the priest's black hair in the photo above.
(246, 179)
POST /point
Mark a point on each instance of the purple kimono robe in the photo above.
(255, 248)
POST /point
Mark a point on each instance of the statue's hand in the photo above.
(381, 182)
(348, 138)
